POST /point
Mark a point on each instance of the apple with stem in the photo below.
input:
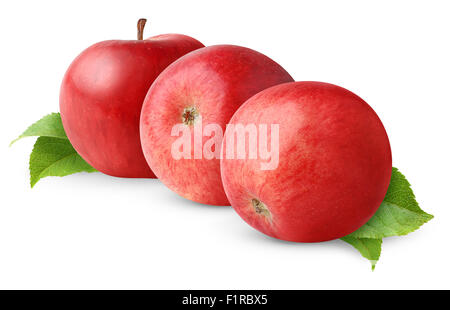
(200, 90)
(102, 94)
(334, 163)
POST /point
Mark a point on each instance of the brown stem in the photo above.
(140, 27)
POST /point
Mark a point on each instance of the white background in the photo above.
(91, 231)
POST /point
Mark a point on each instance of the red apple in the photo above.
(102, 95)
(202, 88)
(334, 163)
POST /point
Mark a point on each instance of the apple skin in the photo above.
(215, 80)
(102, 94)
(334, 163)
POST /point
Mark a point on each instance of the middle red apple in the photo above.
(187, 108)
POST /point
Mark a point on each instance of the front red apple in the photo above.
(102, 95)
(186, 110)
(322, 164)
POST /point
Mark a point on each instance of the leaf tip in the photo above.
(33, 181)
(373, 263)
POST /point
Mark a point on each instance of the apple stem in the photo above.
(140, 27)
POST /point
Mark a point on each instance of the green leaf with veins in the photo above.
(391, 220)
(52, 154)
(369, 248)
(399, 213)
(55, 157)
(48, 126)
(400, 193)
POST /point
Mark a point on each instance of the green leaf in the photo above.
(400, 193)
(48, 126)
(391, 220)
(52, 155)
(369, 248)
(398, 215)
(55, 157)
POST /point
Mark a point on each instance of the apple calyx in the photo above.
(189, 116)
(261, 208)
(140, 28)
